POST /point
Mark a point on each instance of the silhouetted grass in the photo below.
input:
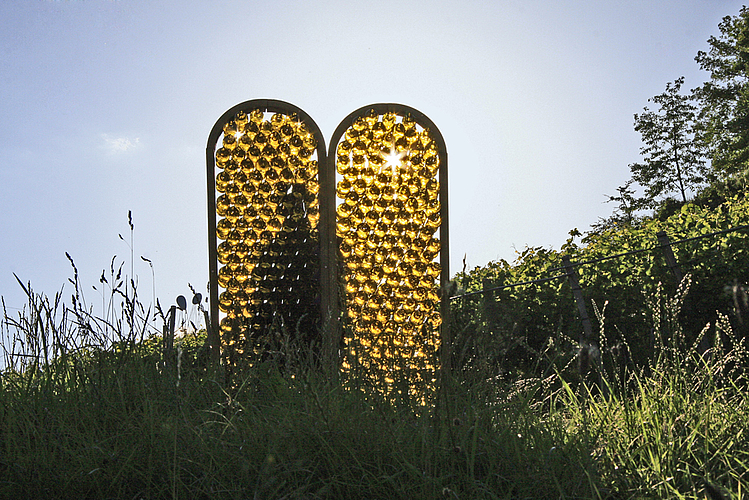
(91, 408)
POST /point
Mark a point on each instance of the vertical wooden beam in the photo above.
(577, 291)
(212, 326)
(446, 337)
(668, 253)
(329, 293)
(489, 301)
(589, 355)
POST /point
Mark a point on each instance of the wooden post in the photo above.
(577, 291)
(589, 355)
(213, 333)
(489, 304)
(668, 252)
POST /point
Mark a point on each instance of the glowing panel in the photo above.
(388, 223)
(267, 234)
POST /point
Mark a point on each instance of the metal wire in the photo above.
(594, 261)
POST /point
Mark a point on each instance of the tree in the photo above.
(724, 99)
(674, 162)
(625, 214)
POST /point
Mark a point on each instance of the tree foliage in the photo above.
(673, 162)
(625, 214)
(696, 145)
(724, 99)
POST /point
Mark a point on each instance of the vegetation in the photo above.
(118, 420)
(696, 145)
(673, 160)
(521, 318)
(692, 148)
(723, 100)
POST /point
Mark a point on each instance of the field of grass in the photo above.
(90, 408)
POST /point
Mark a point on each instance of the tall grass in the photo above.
(90, 409)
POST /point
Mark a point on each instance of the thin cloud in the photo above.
(118, 145)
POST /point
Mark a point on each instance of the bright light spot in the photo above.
(394, 158)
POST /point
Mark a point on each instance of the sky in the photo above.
(106, 109)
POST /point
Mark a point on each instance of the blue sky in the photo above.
(106, 108)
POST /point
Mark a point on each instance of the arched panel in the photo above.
(392, 239)
(264, 223)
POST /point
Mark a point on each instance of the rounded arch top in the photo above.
(381, 108)
(272, 106)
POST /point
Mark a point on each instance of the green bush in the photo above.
(514, 323)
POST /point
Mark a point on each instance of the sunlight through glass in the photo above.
(388, 243)
(268, 209)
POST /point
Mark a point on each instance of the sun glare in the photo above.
(394, 159)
